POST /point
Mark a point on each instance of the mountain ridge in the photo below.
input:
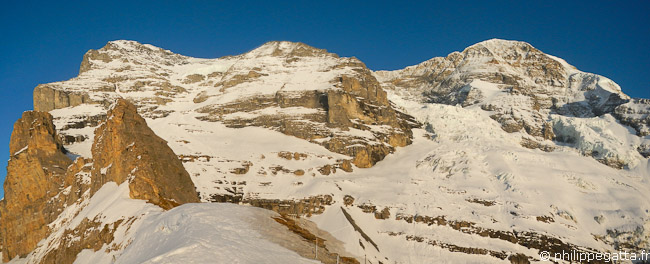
(456, 156)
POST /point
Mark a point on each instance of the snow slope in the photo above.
(191, 233)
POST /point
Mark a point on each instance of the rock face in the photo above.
(516, 81)
(350, 98)
(42, 180)
(46, 98)
(504, 76)
(126, 149)
(305, 92)
(138, 74)
(520, 86)
(636, 114)
(36, 174)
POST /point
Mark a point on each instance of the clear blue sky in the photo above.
(44, 42)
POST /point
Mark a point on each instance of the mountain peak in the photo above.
(495, 42)
(131, 46)
(502, 48)
(128, 50)
(513, 49)
(124, 43)
(287, 49)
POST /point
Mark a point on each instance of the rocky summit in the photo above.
(36, 174)
(126, 149)
(489, 155)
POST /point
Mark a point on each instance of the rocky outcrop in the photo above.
(86, 62)
(345, 93)
(636, 114)
(126, 149)
(116, 50)
(293, 207)
(36, 175)
(138, 70)
(89, 234)
(521, 87)
(644, 150)
(352, 116)
(42, 180)
(338, 111)
(325, 255)
(528, 239)
(47, 98)
(518, 83)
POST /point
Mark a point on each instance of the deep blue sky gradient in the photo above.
(44, 42)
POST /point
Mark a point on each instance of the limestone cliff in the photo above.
(340, 104)
(36, 174)
(42, 180)
(349, 101)
(125, 148)
(636, 114)
(46, 98)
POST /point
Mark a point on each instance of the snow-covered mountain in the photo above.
(493, 154)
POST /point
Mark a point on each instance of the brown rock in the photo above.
(285, 155)
(35, 130)
(193, 78)
(246, 165)
(346, 165)
(125, 148)
(298, 155)
(383, 214)
(86, 64)
(348, 200)
(95, 235)
(357, 101)
(238, 79)
(325, 170)
(518, 258)
(47, 98)
(240, 171)
(306, 206)
(365, 86)
(35, 174)
(533, 144)
(548, 131)
(362, 159)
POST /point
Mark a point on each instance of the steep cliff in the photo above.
(319, 96)
(126, 149)
(310, 94)
(521, 87)
(36, 175)
(42, 180)
(636, 114)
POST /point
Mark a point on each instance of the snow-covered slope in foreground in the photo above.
(191, 233)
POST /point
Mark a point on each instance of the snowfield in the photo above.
(191, 233)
